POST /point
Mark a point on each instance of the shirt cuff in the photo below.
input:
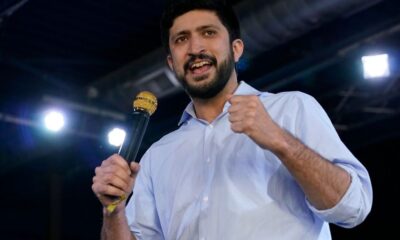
(346, 212)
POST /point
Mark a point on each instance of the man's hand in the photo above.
(114, 178)
(248, 115)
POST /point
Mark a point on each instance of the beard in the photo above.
(215, 85)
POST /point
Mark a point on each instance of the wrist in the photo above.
(280, 144)
(118, 211)
(288, 146)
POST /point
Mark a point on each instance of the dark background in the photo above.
(90, 58)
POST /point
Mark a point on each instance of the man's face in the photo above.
(202, 56)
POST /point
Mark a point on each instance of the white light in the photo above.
(54, 121)
(116, 137)
(376, 66)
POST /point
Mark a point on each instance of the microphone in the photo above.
(144, 105)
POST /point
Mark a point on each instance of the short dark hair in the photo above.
(176, 8)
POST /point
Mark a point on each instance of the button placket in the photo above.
(204, 200)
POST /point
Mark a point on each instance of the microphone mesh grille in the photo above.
(145, 101)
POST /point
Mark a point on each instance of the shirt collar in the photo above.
(242, 89)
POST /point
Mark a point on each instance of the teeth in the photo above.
(199, 64)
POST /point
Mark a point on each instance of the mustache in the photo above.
(201, 56)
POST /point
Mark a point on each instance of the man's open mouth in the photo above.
(200, 66)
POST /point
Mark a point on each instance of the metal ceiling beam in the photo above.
(267, 24)
(327, 57)
(8, 11)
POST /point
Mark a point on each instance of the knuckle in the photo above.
(107, 178)
(96, 188)
(112, 159)
(112, 168)
(251, 114)
(102, 188)
(104, 163)
(252, 104)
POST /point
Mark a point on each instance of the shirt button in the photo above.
(205, 199)
(210, 126)
(208, 160)
(202, 238)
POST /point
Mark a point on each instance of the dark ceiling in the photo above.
(85, 56)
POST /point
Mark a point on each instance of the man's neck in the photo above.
(209, 109)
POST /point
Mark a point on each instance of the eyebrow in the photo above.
(206, 27)
(198, 29)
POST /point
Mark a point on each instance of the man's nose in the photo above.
(196, 45)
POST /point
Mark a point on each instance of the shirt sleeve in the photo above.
(141, 211)
(314, 128)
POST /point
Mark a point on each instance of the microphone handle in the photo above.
(131, 145)
(134, 137)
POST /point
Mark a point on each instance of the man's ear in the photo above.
(170, 62)
(237, 47)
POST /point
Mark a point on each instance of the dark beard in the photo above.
(211, 89)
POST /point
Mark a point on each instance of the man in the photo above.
(244, 164)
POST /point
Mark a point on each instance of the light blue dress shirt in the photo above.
(203, 181)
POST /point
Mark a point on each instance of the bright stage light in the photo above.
(376, 66)
(116, 137)
(54, 121)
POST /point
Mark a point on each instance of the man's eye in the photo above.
(180, 39)
(209, 33)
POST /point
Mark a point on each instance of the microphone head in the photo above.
(145, 101)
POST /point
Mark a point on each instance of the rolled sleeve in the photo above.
(315, 129)
(354, 206)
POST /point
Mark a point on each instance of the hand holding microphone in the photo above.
(116, 175)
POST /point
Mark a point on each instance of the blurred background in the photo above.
(84, 61)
